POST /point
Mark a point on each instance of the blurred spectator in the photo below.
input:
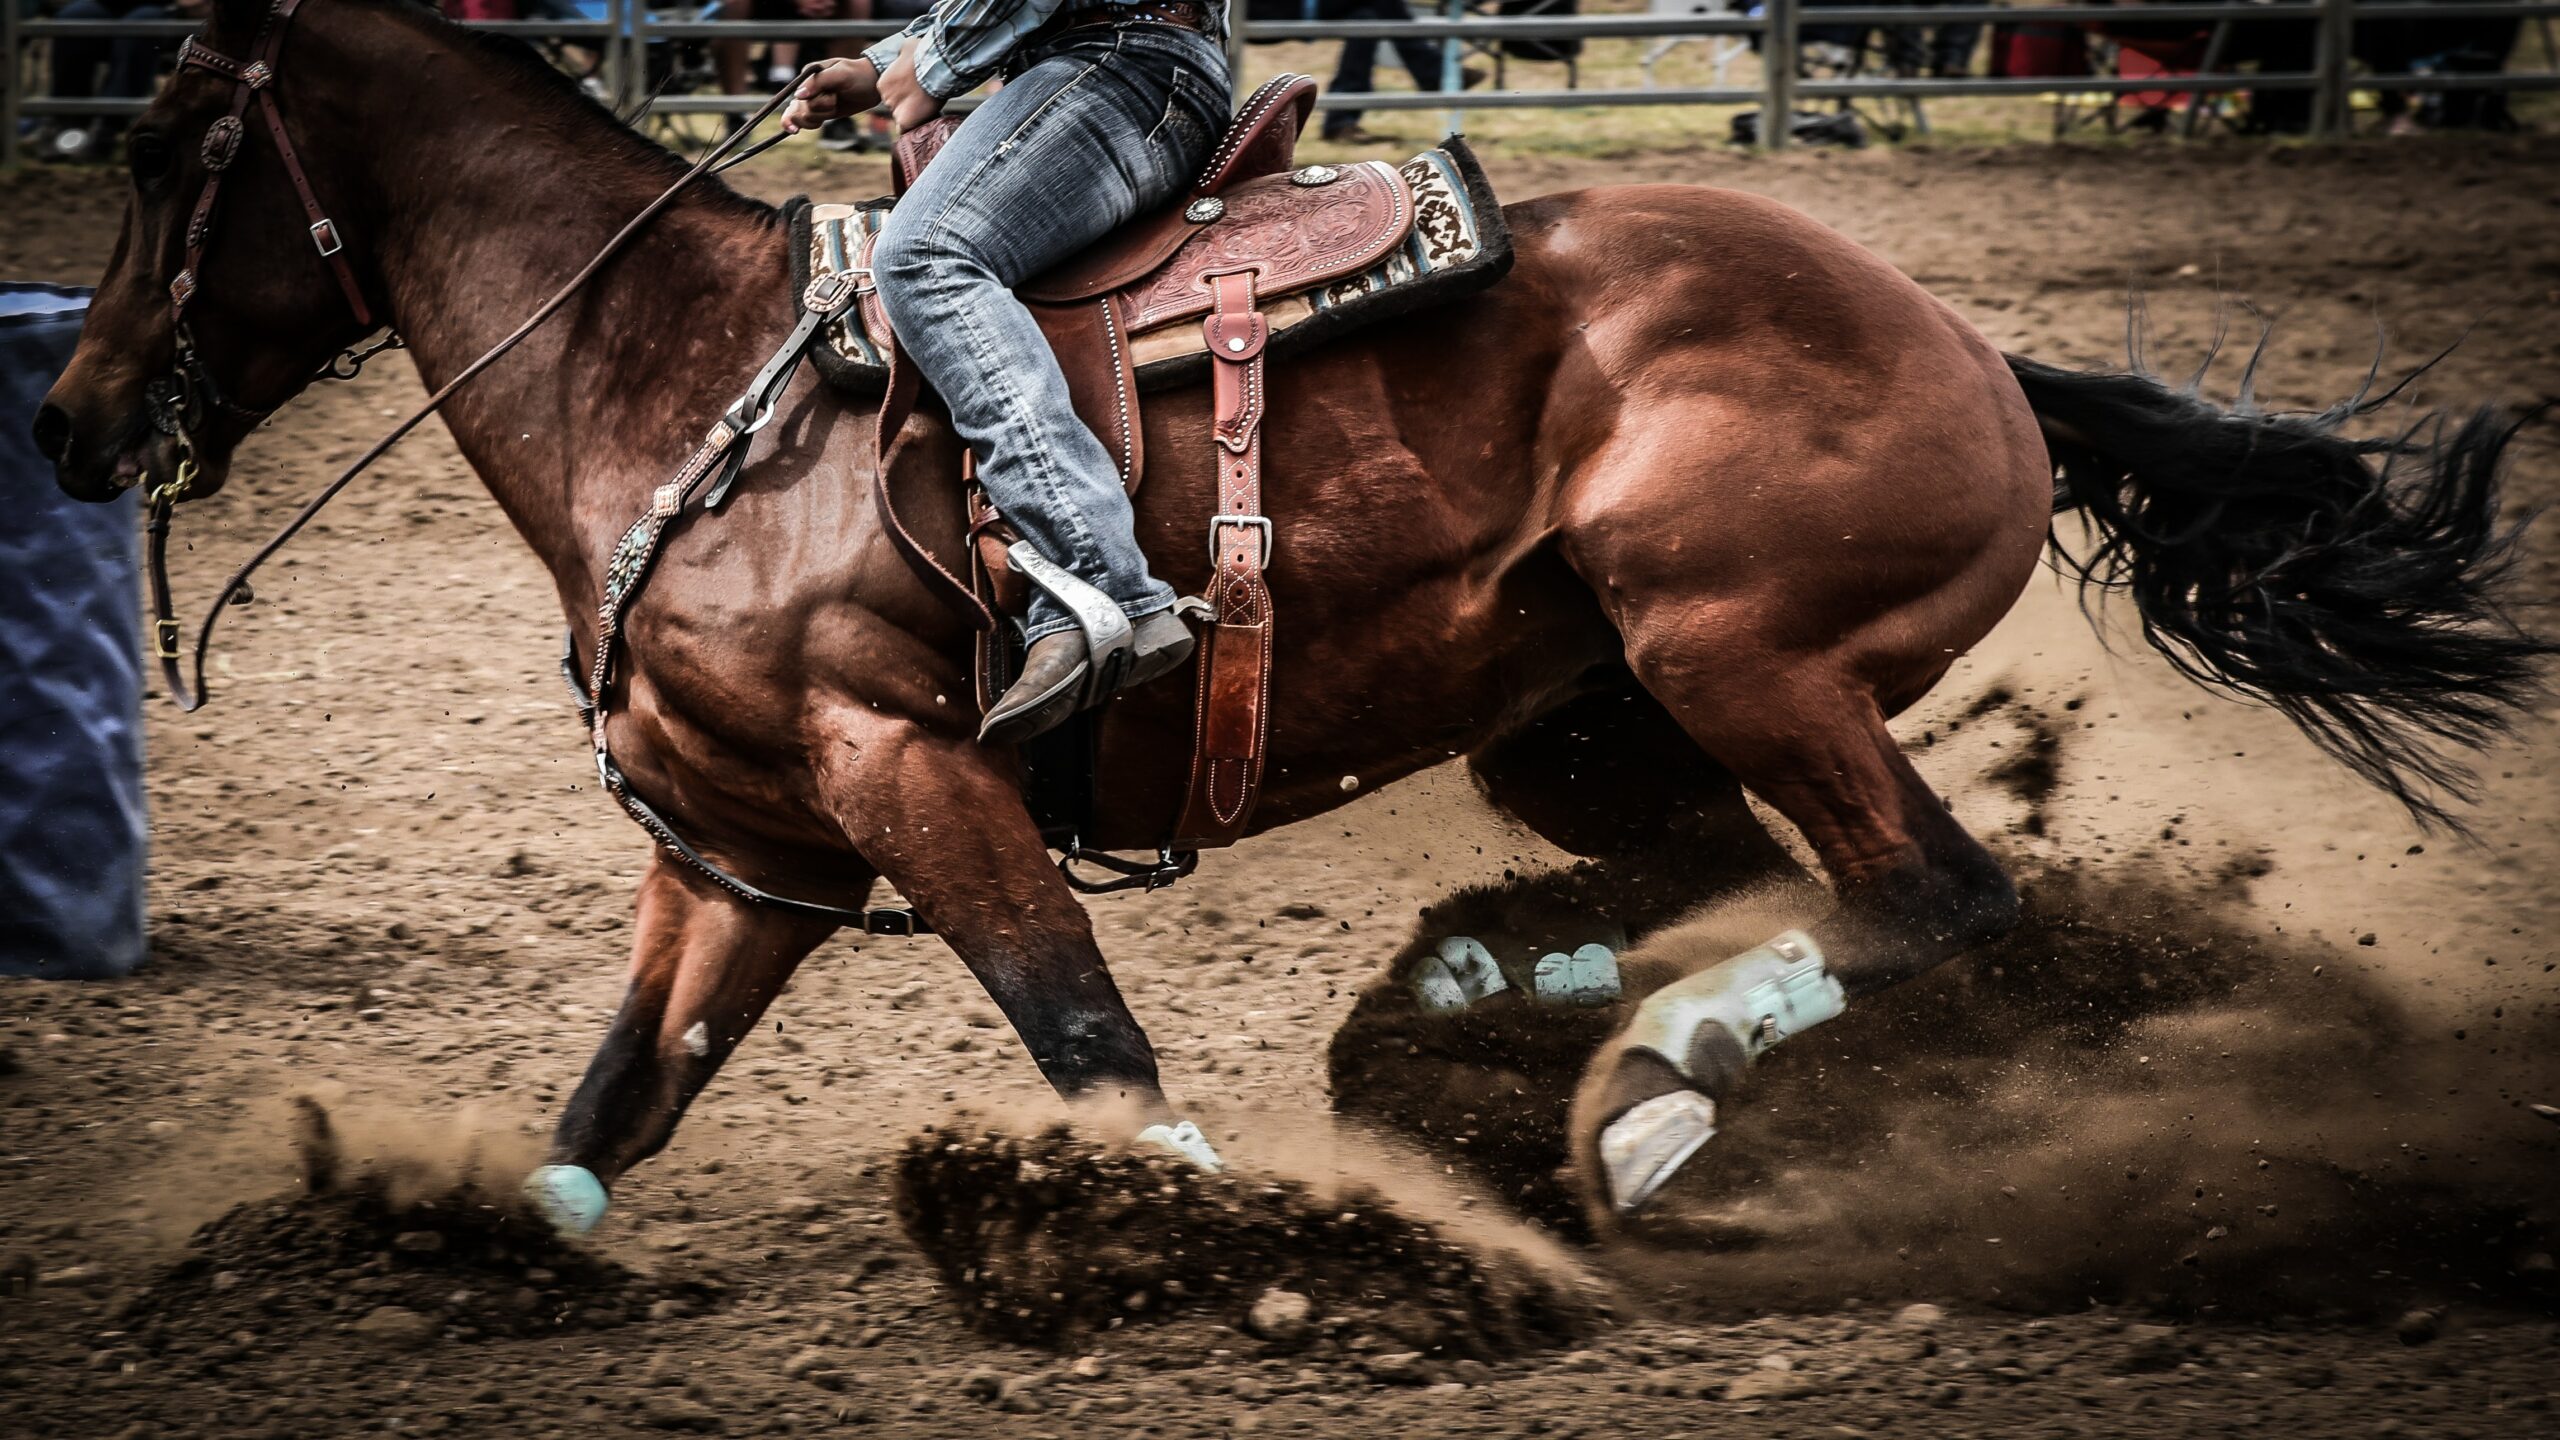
(2425, 45)
(2453, 45)
(734, 58)
(782, 57)
(89, 68)
(1356, 72)
(1941, 50)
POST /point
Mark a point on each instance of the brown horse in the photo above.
(1692, 502)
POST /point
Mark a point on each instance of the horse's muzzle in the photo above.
(96, 465)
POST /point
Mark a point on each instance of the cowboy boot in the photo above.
(1057, 676)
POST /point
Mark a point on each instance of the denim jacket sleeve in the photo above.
(959, 43)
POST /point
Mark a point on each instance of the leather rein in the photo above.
(181, 399)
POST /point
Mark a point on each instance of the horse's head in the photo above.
(223, 297)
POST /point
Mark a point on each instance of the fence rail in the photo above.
(622, 37)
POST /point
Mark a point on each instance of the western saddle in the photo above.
(1255, 243)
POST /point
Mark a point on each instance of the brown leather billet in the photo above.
(1231, 718)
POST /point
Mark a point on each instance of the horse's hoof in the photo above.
(569, 1196)
(1588, 976)
(1462, 972)
(1642, 1149)
(1184, 1141)
(1712, 1025)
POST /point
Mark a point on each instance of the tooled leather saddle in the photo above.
(1261, 257)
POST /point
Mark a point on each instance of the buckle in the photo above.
(828, 294)
(324, 235)
(1259, 522)
(889, 922)
(165, 633)
(1169, 866)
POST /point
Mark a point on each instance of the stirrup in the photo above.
(1108, 638)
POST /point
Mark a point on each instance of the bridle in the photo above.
(180, 400)
(254, 80)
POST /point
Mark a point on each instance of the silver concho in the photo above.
(221, 143)
(1316, 175)
(1204, 210)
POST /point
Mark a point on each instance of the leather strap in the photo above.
(1231, 716)
(722, 451)
(164, 617)
(1186, 14)
(895, 406)
(257, 78)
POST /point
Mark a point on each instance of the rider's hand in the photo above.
(909, 104)
(836, 89)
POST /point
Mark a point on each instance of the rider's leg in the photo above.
(1106, 125)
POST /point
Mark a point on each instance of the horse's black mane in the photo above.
(554, 90)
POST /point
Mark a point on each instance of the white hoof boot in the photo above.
(1645, 1147)
(1184, 1141)
(569, 1196)
(1732, 1013)
(1708, 1029)
(1462, 972)
(1588, 976)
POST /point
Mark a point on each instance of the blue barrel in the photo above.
(71, 808)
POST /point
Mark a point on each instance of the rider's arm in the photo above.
(959, 43)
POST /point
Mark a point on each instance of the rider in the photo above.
(1107, 112)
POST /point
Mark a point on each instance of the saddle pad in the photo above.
(1456, 245)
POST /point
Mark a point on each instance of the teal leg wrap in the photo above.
(1588, 976)
(1460, 973)
(569, 1196)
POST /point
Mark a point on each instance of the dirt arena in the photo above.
(2236, 1137)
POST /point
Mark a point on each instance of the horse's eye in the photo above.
(148, 155)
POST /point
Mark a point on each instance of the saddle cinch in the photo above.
(1261, 259)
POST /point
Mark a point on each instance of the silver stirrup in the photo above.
(1107, 636)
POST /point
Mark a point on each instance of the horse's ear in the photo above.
(238, 17)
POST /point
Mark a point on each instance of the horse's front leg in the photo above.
(940, 816)
(704, 966)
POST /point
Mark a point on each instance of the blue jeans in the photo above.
(1093, 130)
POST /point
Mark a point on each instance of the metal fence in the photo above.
(617, 40)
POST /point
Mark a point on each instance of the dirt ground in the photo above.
(2237, 1137)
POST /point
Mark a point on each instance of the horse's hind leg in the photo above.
(1486, 1082)
(704, 966)
(1913, 890)
(1611, 778)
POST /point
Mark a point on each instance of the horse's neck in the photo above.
(571, 430)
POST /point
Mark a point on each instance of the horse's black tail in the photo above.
(2351, 584)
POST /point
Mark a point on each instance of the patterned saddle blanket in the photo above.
(1335, 248)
